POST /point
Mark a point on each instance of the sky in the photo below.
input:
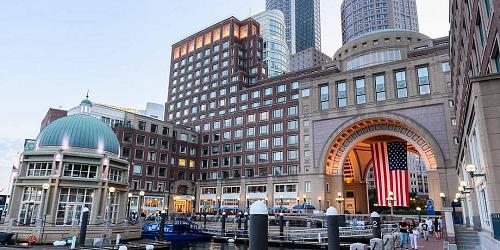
(53, 51)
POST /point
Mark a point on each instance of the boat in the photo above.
(5, 237)
(180, 230)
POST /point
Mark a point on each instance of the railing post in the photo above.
(245, 223)
(161, 232)
(258, 236)
(239, 217)
(376, 230)
(204, 219)
(333, 229)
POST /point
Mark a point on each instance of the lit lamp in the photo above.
(472, 170)
(304, 197)
(111, 190)
(340, 200)
(391, 201)
(443, 199)
(464, 185)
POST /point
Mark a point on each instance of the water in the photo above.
(217, 246)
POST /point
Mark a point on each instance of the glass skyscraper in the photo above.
(302, 23)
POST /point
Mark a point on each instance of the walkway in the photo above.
(433, 243)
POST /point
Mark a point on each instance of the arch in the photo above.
(344, 138)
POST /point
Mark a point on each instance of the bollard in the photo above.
(83, 226)
(358, 246)
(332, 217)
(258, 226)
(376, 244)
(161, 232)
(223, 221)
(282, 224)
(375, 220)
(388, 242)
(245, 223)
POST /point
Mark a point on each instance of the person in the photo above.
(429, 226)
(403, 233)
(413, 233)
(437, 229)
(425, 229)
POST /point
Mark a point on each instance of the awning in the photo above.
(306, 206)
(280, 208)
(230, 208)
(207, 206)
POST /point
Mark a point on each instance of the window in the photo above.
(293, 155)
(293, 125)
(263, 158)
(30, 205)
(295, 85)
(292, 111)
(263, 129)
(401, 89)
(360, 91)
(307, 187)
(277, 113)
(323, 91)
(445, 67)
(277, 141)
(292, 139)
(127, 137)
(142, 125)
(141, 139)
(137, 169)
(281, 88)
(268, 91)
(423, 80)
(341, 94)
(305, 93)
(380, 87)
(72, 201)
(278, 127)
(80, 170)
(150, 170)
(277, 156)
(39, 169)
(278, 170)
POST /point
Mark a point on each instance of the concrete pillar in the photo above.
(433, 182)
(282, 224)
(358, 246)
(375, 220)
(376, 244)
(245, 223)
(258, 236)
(223, 224)
(333, 228)
(388, 242)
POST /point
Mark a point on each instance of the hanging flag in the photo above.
(14, 169)
(390, 167)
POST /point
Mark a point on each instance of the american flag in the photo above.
(391, 172)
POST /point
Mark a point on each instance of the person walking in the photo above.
(425, 229)
(413, 234)
(429, 226)
(403, 233)
(437, 229)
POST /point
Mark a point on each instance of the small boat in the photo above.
(184, 231)
(5, 237)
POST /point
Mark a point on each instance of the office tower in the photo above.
(361, 17)
(302, 23)
(307, 59)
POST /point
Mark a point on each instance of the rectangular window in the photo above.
(341, 94)
(324, 97)
(401, 87)
(308, 187)
(380, 87)
(360, 91)
(80, 170)
(39, 169)
(445, 67)
(423, 80)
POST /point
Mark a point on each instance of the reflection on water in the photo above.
(217, 246)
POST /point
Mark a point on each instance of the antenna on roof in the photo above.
(87, 94)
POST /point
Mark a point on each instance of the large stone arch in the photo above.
(343, 139)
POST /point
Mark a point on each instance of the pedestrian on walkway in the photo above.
(425, 229)
(437, 228)
(403, 234)
(429, 226)
(413, 233)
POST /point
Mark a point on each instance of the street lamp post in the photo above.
(45, 188)
(218, 206)
(340, 200)
(129, 199)
(443, 199)
(141, 201)
(319, 201)
(391, 201)
(248, 202)
(111, 191)
(419, 216)
(472, 170)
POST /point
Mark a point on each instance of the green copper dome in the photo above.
(86, 101)
(79, 131)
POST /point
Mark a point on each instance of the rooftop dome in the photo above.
(86, 101)
(79, 131)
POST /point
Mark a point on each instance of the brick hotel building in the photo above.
(296, 138)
